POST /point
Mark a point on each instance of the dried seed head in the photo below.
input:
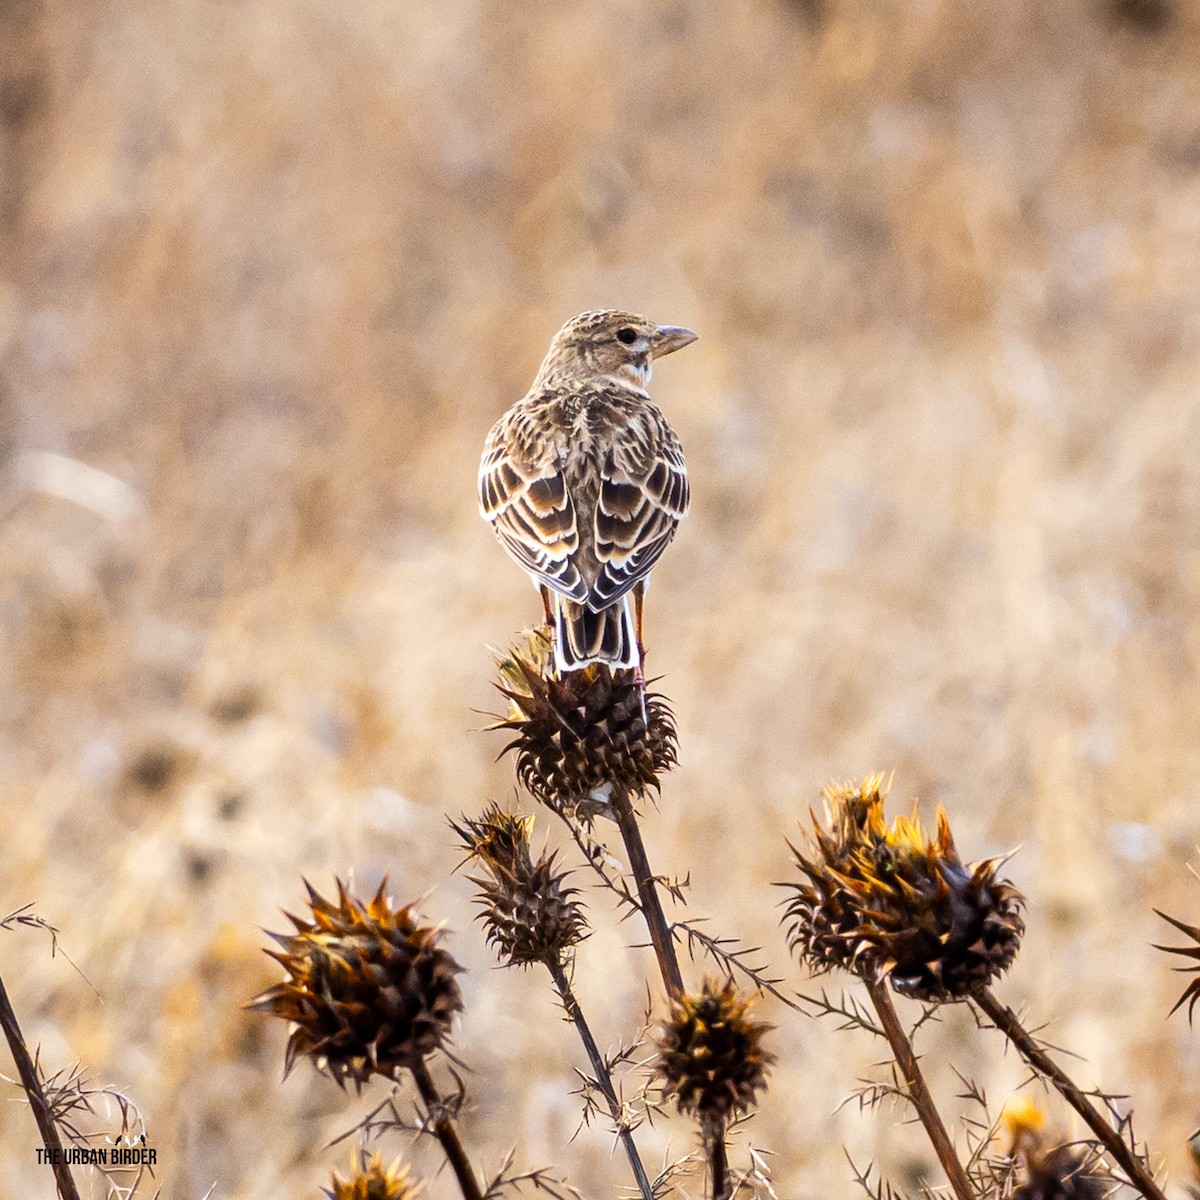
(1062, 1171)
(886, 900)
(369, 990)
(529, 913)
(578, 737)
(372, 1181)
(711, 1056)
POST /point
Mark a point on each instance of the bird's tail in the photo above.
(582, 636)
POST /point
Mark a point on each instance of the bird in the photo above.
(584, 483)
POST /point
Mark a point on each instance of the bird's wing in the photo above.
(525, 497)
(644, 494)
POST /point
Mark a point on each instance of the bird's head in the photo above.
(610, 345)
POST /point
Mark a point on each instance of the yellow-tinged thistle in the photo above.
(1023, 1121)
(580, 736)
(373, 1181)
(711, 1056)
(529, 913)
(890, 901)
(1050, 1170)
(369, 991)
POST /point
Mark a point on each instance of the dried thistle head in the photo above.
(369, 991)
(887, 900)
(580, 736)
(529, 912)
(372, 1181)
(711, 1056)
(1051, 1170)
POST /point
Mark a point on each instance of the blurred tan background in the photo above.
(269, 271)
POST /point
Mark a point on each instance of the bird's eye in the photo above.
(627, 336)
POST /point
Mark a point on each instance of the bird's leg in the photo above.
(639, 672)
(639, 596)
(548, 613)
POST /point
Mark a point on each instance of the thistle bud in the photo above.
(529, 913)
(372, 1181)
(1051, 1171)
(711, 1056)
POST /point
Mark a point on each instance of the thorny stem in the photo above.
(447, 1134)
(731, 961)
(1010, 1025)
(602, 1074)
(718, 1160)
(37, 1097)
(639, 865)
(918, 1092)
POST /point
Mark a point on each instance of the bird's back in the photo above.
(601, 434)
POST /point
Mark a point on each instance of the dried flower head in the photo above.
(1191, 994)
(372, 1181)
(529, 912)
(1057, 1171)
(579, 737)
(369, 991)
(711, 1056)
(886, 900)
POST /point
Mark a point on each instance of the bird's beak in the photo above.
(668, 338)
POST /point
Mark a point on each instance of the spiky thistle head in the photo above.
(373, 1181)
(529, 913)
(1191, 994)
(1051, 1170)
(710, 1055)
(580, 736)
(888, 900)
(369, 990)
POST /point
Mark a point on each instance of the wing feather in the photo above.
(643, 496)
(528, 505)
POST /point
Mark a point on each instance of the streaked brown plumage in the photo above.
(584, 483)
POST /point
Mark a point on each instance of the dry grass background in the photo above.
(274, 269)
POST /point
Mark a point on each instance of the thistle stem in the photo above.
(718, 1160)
(37, 1097)
(639, 865)
(602, 1074)
(447, 1134)
(1010, 1025)
(918, 1092)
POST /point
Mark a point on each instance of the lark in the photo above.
(585, 483)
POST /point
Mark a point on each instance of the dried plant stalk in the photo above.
(37, 1098)
(1010, 1025)
(918, 1091)
(447, 1132)
(656, 921)
(603, 1076)
(718, 1162)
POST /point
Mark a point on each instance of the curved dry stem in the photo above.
(1009, 1024)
